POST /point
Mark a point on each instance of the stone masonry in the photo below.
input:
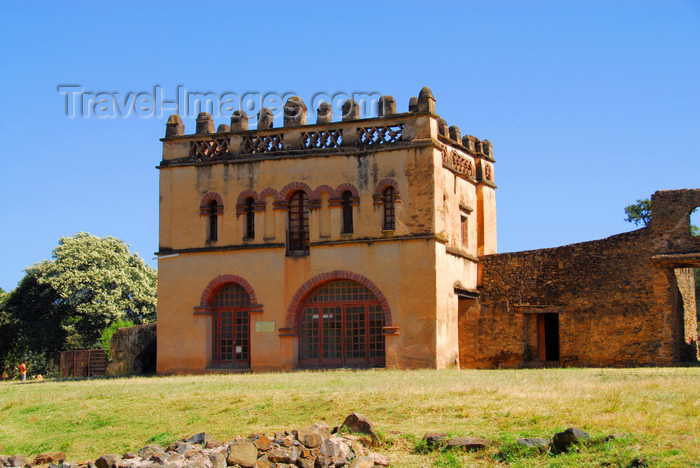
(627, 300)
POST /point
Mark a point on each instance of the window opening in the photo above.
(298, 231)
(389, 215)
(347, 213)
(250, 218)
(213, 229)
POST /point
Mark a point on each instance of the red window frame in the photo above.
(341, 325)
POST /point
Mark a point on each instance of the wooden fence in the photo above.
(83, 363)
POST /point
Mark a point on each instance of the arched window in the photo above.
(249, 218)
(341, 324)
(347, 212)
(213, 227)
(298, 225)
(695, 222)
(231, 330)
(388, 200)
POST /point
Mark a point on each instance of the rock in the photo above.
(283, 455)
(321, 429)
(358, 449)
(322, 461)
(44, 458)
(434, 439)
(263, 462)
(344, 450)
(149, 450)
(380, 460)
(161, 458)
(218, 460)
(201, 438)
(17, 460)
(213, 443)
(107, 460)
(467, 443)
(329, 448)
(362, 462)
(305, 463)
(129, 455)
(4, 460)
(563, 440)
(309, 438)
(242, 452)
(358, 423)
(535, 442)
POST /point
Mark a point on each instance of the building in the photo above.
(340, 243)
(372, 243)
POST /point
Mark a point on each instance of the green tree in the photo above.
(66, 302)
(639, 213)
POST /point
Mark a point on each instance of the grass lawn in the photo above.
(658, 409)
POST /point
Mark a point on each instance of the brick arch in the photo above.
(292, 187)
(269, 191)
(324, 188)
(319, 280)
(345, 186)
(383, 184)
(348, 187)
(379, 191)
(243, 196)
(208, 197)
(206, 301)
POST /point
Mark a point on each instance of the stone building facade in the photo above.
(371, 242)
(344, 243)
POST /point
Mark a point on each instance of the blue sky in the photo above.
(589, 104)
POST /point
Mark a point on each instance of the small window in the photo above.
(249, 218)
(213, 227)
(347, 213)
(465, 230)
(298, 225)
(695, 222)
(389, 214)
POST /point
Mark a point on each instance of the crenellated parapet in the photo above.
(467, 156)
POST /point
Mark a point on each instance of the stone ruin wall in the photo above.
(133, 350)
(615, 307)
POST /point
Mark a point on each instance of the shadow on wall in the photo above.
(133, 351)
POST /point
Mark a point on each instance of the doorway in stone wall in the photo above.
(341, 325)
(548, 337)
(231, 328)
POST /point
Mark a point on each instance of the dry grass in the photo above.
(658, 408)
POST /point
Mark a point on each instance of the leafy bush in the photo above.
(108, 332)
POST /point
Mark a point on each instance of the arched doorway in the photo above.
(341, 325)
(231, 327)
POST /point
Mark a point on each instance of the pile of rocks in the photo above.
(561, 442)
(312, 447)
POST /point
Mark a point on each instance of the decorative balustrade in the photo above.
(388, 128)
(322, 139)
(209, 148)
(458, 163)
(253, 144)
(380, 135)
